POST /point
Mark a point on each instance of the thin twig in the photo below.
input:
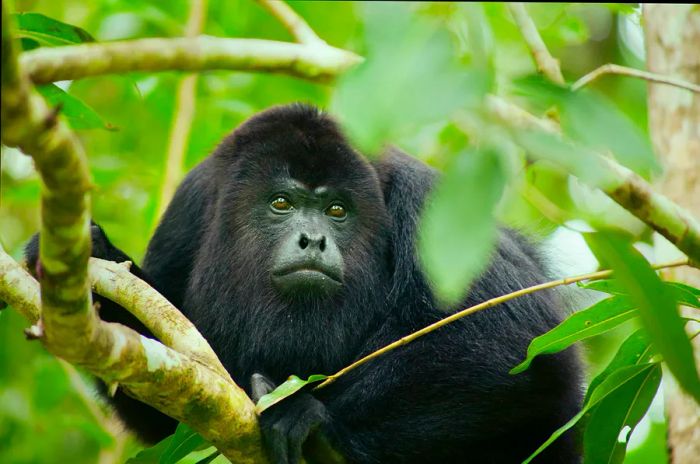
(294, 23)
(480, 307)
(183, 116)
(611, 68)
(546, 63)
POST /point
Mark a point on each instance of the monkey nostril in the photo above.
(303, 242)
(322, 245)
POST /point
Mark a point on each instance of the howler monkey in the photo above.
(292, 254)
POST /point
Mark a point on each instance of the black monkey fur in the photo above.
(444, 398)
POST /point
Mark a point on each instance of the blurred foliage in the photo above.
(428, 66)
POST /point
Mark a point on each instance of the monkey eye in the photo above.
(337, 211)
(281, 204)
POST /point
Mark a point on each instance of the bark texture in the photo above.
(673, 49)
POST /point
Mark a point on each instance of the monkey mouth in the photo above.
(310, 270)
(307, 279)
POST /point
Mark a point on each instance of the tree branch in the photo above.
(18, 288)
(294, 23)
(307, 61)
(114, 281)
(155, 374)
(546, 63)
(611, 68)
(621, 184)
(170, 381)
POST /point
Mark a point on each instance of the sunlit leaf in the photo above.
(627, 379)
(593, 122)
(618, 414)
(597, 319)
(610, 286)
(209, 458)
(47, 31)
(574, 158)
(292, 385)
(410, 77)
(185, 440)
(171, 449)
(77, 112)
(658, 308)
(683, 294)
(635, 350)
(153, 454)
(458, 230)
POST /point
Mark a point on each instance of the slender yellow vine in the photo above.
(480, 307)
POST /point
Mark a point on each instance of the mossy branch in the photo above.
(114, 281)
(69, 327)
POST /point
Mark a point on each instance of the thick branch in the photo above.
(624, 186)
(631, 72)
(546, 63)
(114, 281)
(172, 382)
(18, 288)
(65, 246)
(308, 61)
(294, 23)
(149, 371)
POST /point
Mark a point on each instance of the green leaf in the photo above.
(593, 122)
(635, 350)
(77, 112)
(657, 307)
(683, 294)
(171, 449)
(153, 454)
(595, 320)
(209, 458)
(458, 230)
(292, 385)
(410, 77)
(628, 379)
(185, 440)
(619, 413)
(48, 31)
(591, 119)
(610, 286)
(574, 158)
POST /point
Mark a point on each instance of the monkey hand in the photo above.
(286, 425)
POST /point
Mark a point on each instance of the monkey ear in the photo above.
(260, 386)
(405, 183)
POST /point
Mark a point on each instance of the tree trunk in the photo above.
(673, 48)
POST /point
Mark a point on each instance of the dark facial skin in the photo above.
(309, 223)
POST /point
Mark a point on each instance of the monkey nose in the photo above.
(312, 241)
